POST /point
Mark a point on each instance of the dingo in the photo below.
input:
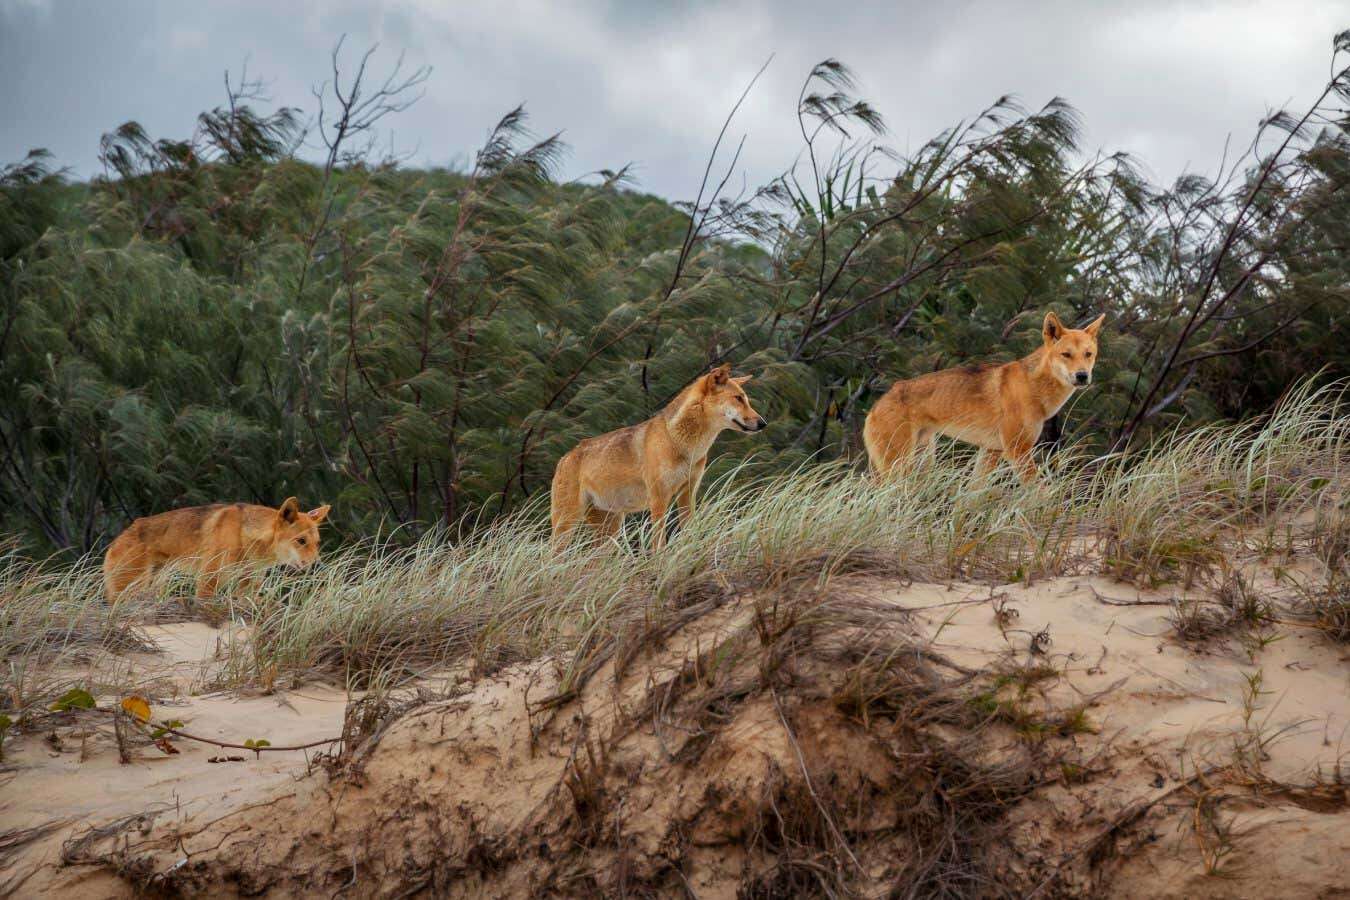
(644, 466)
(1000, 408)
(205, 539)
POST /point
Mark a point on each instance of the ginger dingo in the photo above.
(1000, 408)
(645, 466)
(205, 539)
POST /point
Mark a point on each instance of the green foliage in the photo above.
(165, 727)
(75, 698)
(217, 320)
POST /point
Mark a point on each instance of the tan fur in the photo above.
(206, 539)
(1000, 408)
(647, 466)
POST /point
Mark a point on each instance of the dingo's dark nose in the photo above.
(1082, 377)
(760, 424)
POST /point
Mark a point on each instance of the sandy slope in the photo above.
(1170, 711)
(486, 795)
(77, 779)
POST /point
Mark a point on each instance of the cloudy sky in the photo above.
(649, 83)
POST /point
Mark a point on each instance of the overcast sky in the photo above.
(649, 83)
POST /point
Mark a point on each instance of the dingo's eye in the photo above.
(301, 541)
(1067, 355)
(1087, 355)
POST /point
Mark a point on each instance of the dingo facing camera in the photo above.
(1000, 408)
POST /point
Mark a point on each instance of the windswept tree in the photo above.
(1237, 262)
(274, 305)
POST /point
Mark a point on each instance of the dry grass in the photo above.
(1331, 608)
(908, 703)
(1327, 604)
(1236, 608)
(499, 596)
(52, 620)
(1324, 602)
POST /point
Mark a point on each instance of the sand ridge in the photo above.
(490, 792)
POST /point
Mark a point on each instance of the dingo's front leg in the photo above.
(658, 500)
(1017, 444)
(989, 460)
(689, 493)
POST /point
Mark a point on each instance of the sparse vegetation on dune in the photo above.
(747, 711)
(499, 595)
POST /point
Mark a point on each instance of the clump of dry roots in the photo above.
(747, 744)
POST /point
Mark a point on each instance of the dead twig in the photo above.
(224, 745)
(12, 840)
(1112, 601)
(806, 778)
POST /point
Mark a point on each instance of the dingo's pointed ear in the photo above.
(1053, 328)
(1095, 325)
(289, 510)
(742, 379)
(720, 375)
(318, 515)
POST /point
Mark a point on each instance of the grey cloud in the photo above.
(650, 84)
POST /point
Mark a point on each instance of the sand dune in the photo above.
(1109, 758)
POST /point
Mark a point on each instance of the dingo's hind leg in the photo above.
(605, 524)
(890, 454)
(989, 460)
(565, 504)
(122, 568)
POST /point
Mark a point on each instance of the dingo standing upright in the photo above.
(205, 539)
(646, 466)
(1000, 408)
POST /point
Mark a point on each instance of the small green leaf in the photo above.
(75, 698)
(257, 744)
(165, 727)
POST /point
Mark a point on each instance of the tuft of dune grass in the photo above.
(53, 618)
